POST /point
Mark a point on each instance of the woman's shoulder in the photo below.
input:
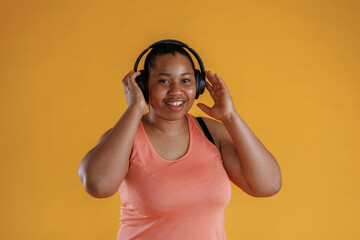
(216, 129)
(212, 124)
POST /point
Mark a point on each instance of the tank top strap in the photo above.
(192, 124)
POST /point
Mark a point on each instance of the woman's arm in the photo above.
(248, 163)
(105, 166)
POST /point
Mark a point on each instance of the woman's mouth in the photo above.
(175, 106)
(175, 103)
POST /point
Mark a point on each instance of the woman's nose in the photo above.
(175, 88)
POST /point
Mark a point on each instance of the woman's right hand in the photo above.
(134, 95)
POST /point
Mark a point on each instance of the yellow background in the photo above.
(292, 68)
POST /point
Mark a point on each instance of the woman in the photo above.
(173, 182)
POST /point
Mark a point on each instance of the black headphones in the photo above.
(142, 79)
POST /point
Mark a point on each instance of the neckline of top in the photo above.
(190, 121)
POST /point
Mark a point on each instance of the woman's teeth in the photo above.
(174, 103)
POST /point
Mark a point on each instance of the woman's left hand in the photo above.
(223, 106)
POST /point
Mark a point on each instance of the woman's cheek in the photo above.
(192, 92)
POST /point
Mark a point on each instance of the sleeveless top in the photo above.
(178, 199)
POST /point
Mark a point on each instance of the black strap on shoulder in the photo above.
(205, 129)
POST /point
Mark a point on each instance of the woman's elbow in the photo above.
(275, 190)
(273, 186)
(95, 188)
(268, 191)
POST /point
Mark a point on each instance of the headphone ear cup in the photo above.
(200, 83)
(142, 81)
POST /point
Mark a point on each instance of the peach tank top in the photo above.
(181, 199)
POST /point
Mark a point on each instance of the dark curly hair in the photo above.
(163, 49)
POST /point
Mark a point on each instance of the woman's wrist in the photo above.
(229, 118)
(138, 108)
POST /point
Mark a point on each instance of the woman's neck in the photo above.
(165, 126)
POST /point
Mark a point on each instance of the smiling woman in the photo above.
(173, 182)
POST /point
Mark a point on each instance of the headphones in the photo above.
(142, 79)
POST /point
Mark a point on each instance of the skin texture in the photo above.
(249, 165)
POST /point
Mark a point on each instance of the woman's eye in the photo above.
(163, 81)
(186, 80)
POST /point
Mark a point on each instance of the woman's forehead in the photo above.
(170, 62)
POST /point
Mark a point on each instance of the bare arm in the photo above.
(256, 163)
(248, 163)
(105, 166)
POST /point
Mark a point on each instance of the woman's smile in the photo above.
(175, 105)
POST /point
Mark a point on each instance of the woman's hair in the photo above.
(163, 49)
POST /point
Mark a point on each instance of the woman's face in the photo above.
(172, 86)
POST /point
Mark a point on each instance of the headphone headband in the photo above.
(175, 42)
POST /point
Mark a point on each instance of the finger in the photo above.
(124, 83)
(215, 81)
(219, 79)
(132, 77)
(129, 73)
(133, 73)
(204, 108)
(125, 80)
(210, 77)
(210, 88)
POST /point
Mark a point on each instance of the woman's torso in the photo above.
(179, 199)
